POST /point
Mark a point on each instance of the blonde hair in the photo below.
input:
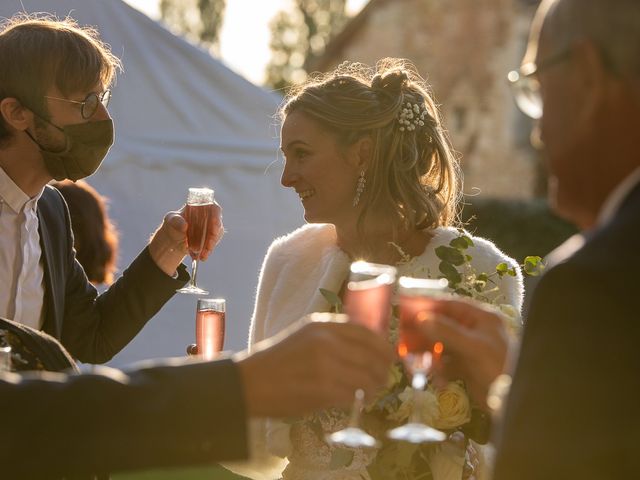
(413, 175)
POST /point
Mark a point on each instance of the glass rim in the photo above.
(200, 196)
(377, 269)
(215, 304)
(414, 287)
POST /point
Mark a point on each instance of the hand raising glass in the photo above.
(199, 214)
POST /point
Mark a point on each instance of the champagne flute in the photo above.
(416, 296)
(198, 214)
(367, 303)
(210, 326)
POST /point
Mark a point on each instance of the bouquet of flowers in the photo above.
(448, 409)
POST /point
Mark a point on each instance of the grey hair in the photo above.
(613, 25)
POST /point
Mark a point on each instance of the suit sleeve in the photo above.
(94, 327)
(156, 416)
(573, 406)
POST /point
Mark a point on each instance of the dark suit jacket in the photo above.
(94, 328)
(574, 405)
(56, 425)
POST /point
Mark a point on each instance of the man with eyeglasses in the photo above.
(54, 91)
(572, 407)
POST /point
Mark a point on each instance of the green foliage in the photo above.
(334, 300)
(199, 21)
(300, 36)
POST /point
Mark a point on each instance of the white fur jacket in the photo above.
(295, 268)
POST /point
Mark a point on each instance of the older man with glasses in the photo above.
(572, 409)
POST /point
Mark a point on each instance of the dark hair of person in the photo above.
(95, 236)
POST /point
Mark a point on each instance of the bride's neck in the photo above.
(381, 245)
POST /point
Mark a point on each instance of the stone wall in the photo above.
(464, 48)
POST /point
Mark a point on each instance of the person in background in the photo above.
(95, 237)
(572, 406)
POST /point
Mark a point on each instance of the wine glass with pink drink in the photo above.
(210, 326)
(367, 303)
(199, 214)
(417, 297)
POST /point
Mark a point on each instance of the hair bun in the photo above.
(391, 81)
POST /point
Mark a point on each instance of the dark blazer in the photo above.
(574, 405)
(56, 425)
(93, 327)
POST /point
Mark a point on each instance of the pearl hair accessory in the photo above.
(412, 116)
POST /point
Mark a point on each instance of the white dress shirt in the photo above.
(21, 272)
(616, 198)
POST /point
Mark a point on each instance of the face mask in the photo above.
(87, 145)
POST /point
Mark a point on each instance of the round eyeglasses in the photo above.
(526, 86)
(89, 105)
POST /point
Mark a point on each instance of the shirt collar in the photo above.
(13, 196)
(616, 198)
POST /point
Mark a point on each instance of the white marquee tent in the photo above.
(183, 119)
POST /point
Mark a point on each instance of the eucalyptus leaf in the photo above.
(502, 268)
(450, 273)
(334, 300)
(461, 243)
(533, 266)
(450, 254)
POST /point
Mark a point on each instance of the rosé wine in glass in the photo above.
(417, 297)
(367, 303)
(199, 216)
(198, 219)
(210, 326)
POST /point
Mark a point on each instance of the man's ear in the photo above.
(14, 114)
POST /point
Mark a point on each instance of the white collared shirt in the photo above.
(21, 271)
(616, 198)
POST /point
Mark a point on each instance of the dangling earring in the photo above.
(359, 188)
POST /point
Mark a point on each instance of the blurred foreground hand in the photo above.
(476, 345)
(313, 365)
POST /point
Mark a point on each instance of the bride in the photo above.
(368, 156)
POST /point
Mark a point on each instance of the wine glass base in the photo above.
(193, 291)
(352, 437)
(416, 433)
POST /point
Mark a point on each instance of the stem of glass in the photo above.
(194, 271)
(418, 384)
(358, 402)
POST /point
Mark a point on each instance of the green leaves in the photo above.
(334, 300)
(450, 255)
(503, 269)
(450, 273)
(533, 266)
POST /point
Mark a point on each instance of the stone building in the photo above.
(464, 48)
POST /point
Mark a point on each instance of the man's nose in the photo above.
(101, 113)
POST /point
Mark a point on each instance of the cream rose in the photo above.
(425, 401)
(454, 406)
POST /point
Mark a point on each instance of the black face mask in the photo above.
(86, 146)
